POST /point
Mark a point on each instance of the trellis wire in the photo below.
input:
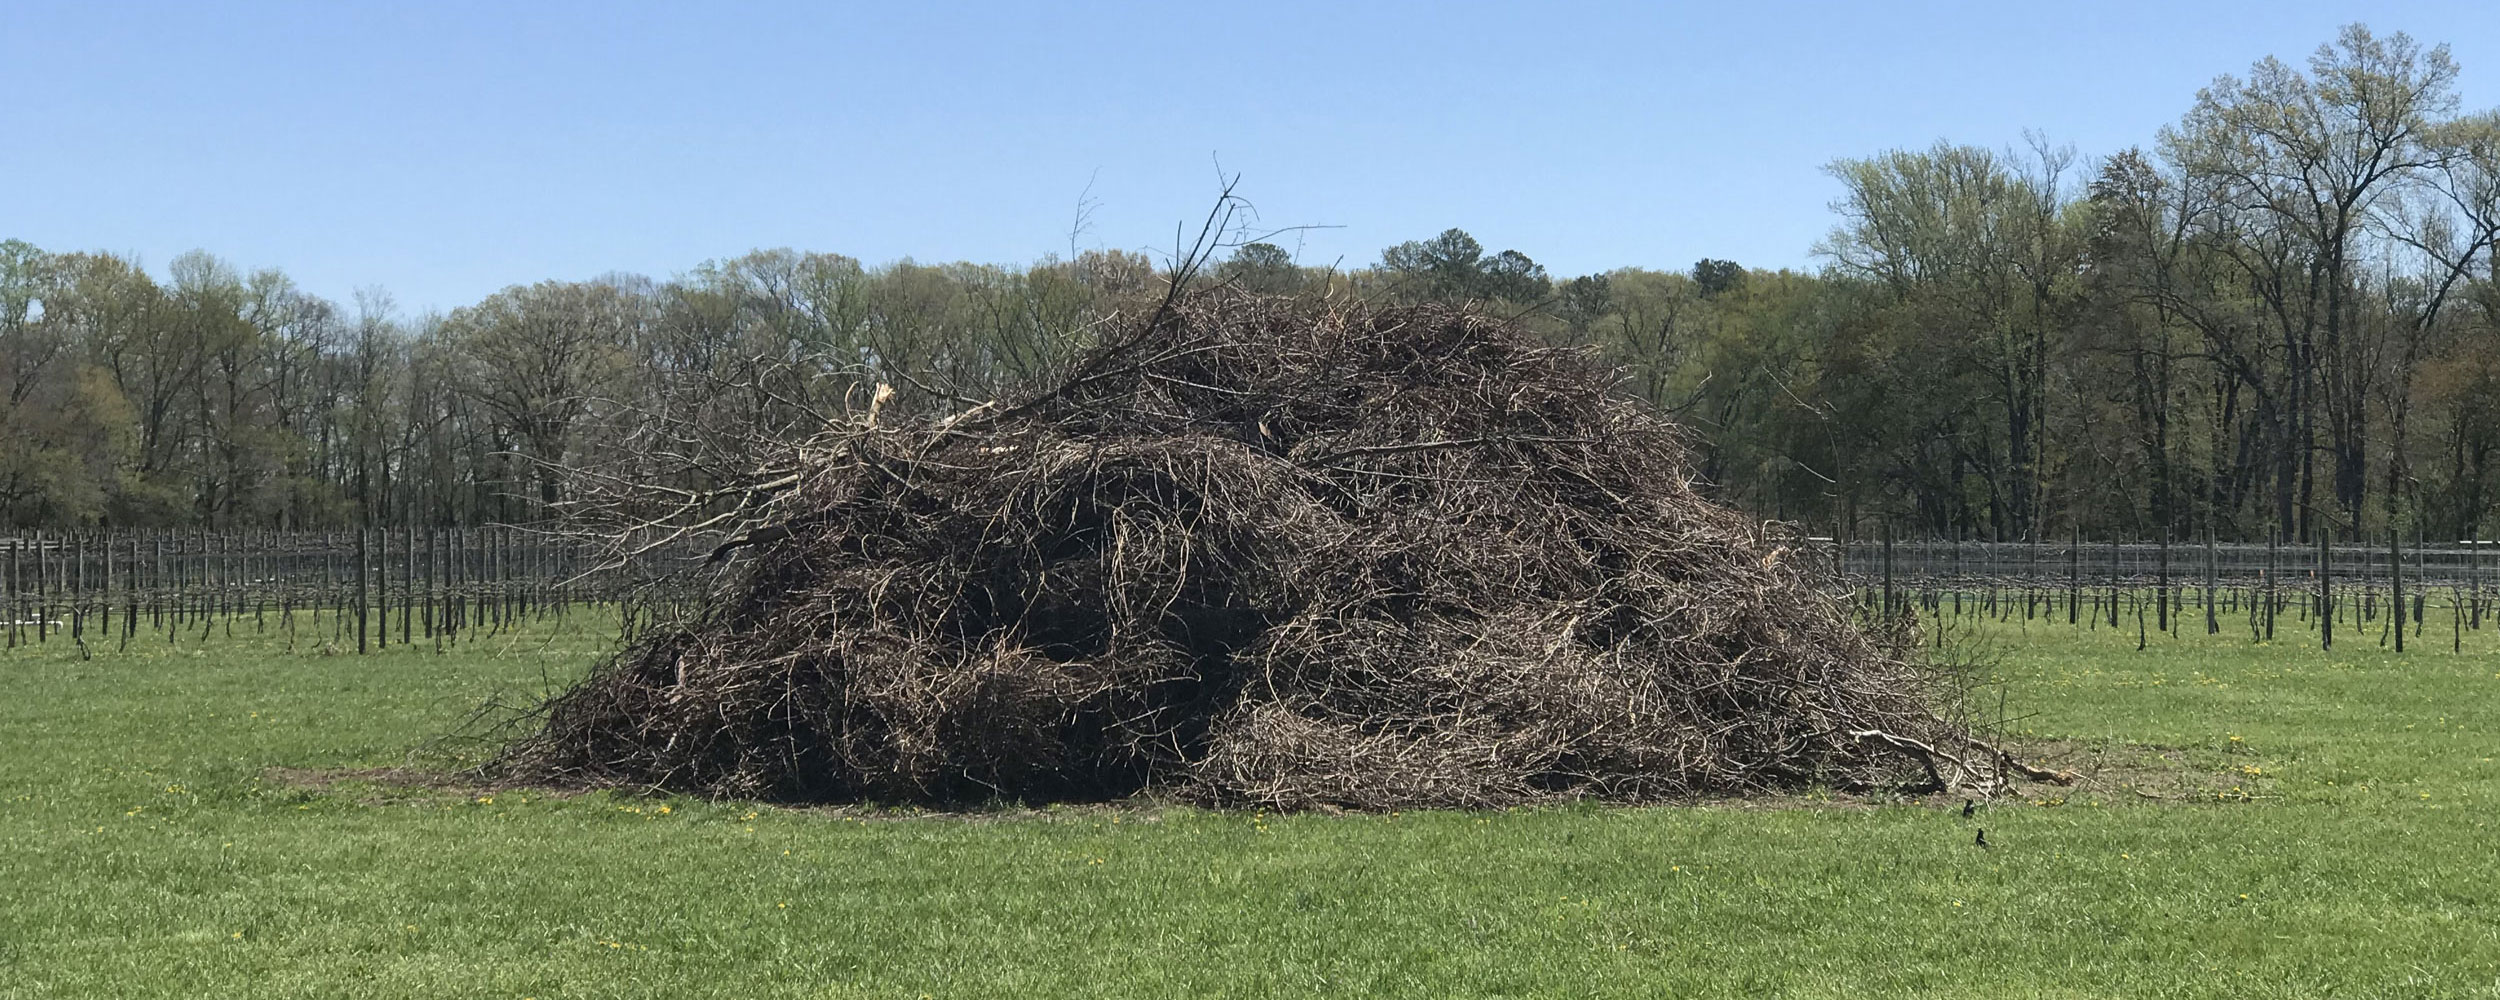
(2383, 590)
(364, 590)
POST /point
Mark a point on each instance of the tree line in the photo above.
(2278, 316)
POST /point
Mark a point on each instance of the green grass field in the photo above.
(2327, 829)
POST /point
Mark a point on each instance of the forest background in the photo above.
(2278, 313)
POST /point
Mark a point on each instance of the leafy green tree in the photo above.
(1582, 301)
(1264, 268)
(1978, 261)
(1717, 277)
(1452, 267)
(1511, 276)
(540, 358)
(2306, 162)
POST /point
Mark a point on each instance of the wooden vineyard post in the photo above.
(344, 590)
(104, 605)
(2396, 584)
(156, 586)
(454, 574)
(2031, 576)
(2421, 545)
(2213, 570)
(43, 615)
(255, 578)
(329, 581)
(2074, 572)
(381, 587)
(284, 573)
(489, 586)
(202, 584)
(506, 604)
(212, 596)
(498, 554)
(361, 597)
(433, 607)
(490, 574)
(78, 588)
(533, 576)
(2326, 589)
(2274, 543)
(511, 549)
(2161, 579)
(446, 629)
(16, 605)
(2116, 576)
(2474, 573)
(407, 576)
(130, 596)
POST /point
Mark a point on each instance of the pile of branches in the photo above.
(1258, 551)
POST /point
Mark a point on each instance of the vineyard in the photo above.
(337, 590)
(370, 590)
(2269, 590)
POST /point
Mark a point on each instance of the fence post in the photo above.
(43, 577)
(16, 604)
(2074, 571)
(2117, 575)
(2274, 543)
(2213, 570)
(433, 546)
(361, 597)
(104, 604)
(78, 587)
(381, 571)
(2396, 583)
(407, 574)
(2326, 588)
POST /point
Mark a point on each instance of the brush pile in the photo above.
(1260, 552)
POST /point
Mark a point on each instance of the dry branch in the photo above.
(1256, 551)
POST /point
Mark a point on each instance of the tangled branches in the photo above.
(1257, 551)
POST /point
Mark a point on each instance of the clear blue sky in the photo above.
(443, 150)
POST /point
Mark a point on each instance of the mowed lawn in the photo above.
(148, 848)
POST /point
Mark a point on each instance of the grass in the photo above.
(146, 850)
